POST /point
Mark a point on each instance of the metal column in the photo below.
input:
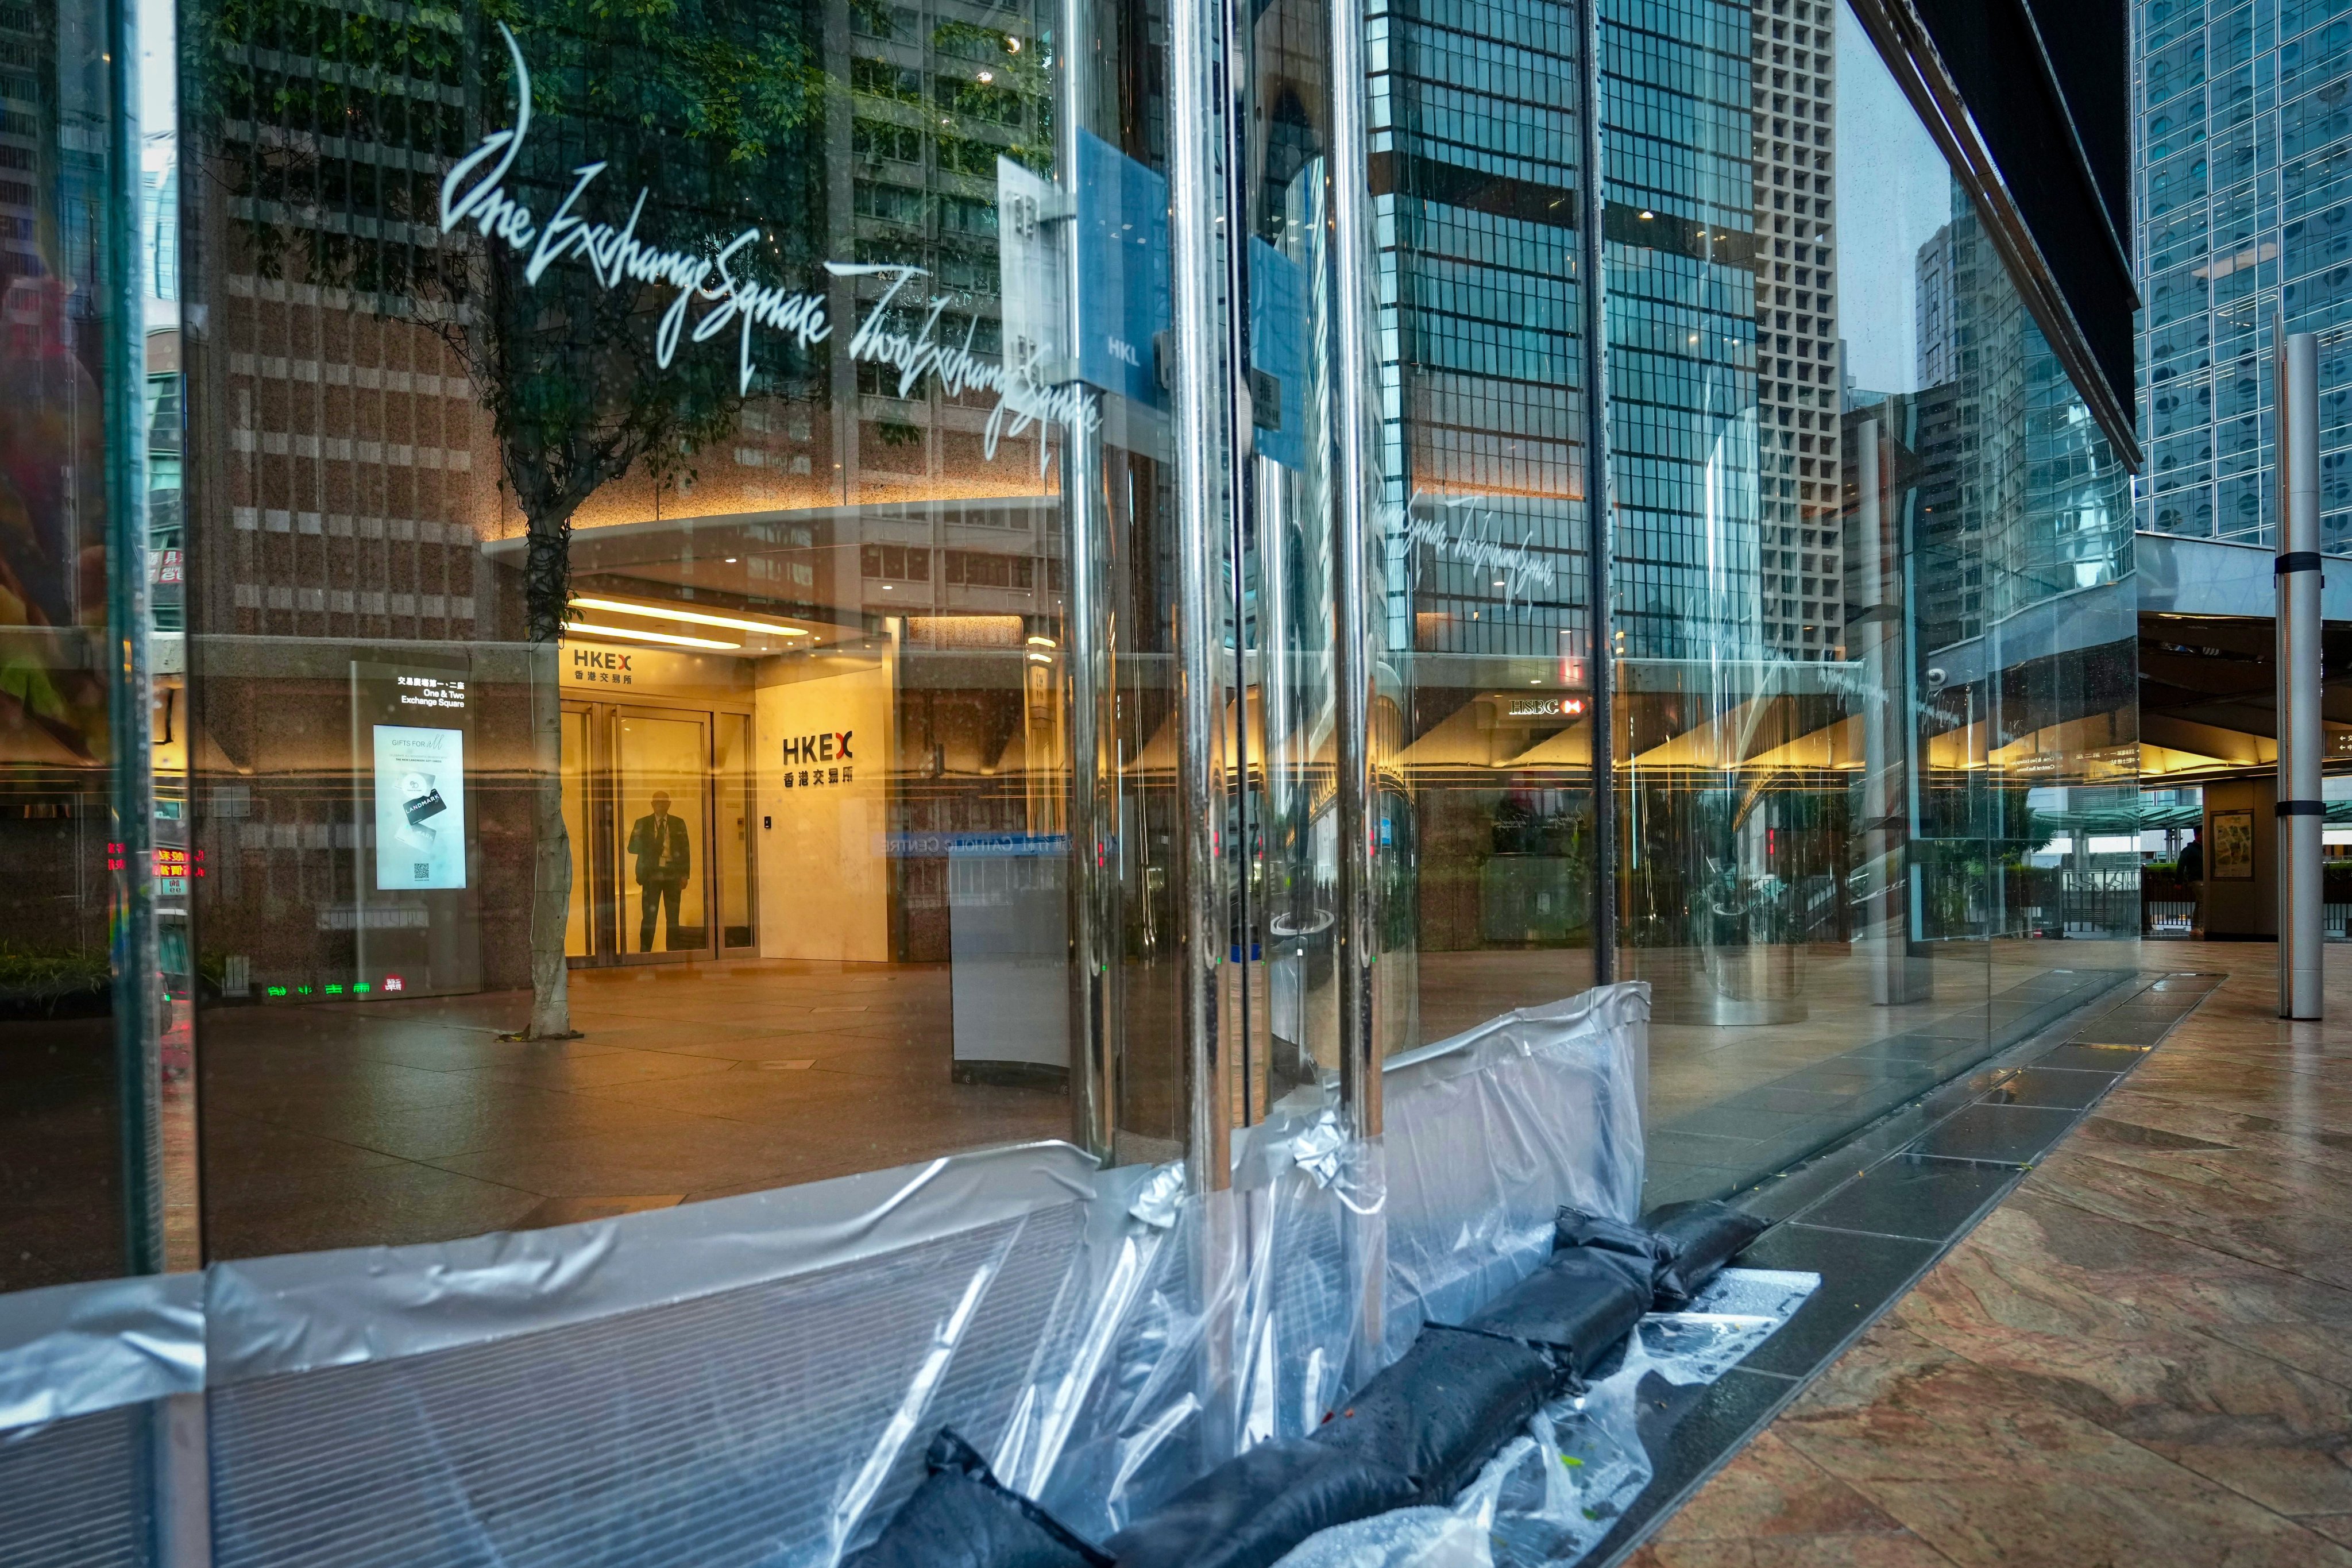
(1203, 436)
(1091, 631)
(1356, 413)
(1598, 544)
(1357, 484)
(138, 979)
(2300, 810)
(1886, 784)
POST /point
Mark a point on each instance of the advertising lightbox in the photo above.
(420, 808)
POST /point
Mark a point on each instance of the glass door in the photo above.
(662, 840)
(579, 941)
(731, 846)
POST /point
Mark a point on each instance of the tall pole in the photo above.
(1601, 669)
(1202, 434)
(1355, 380)
(138, 983)
(1091, 630)
(2300, 810)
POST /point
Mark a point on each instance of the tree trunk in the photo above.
(545, 590)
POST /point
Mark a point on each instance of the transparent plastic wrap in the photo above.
(1553, 1492)
(756, 1379)
(1324, 1259)
(1490, 1132)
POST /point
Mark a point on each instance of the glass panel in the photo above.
(1481, 727)
(578, 940)
(1872, 601)
(76, 796)
(732, 844)
(662, 789)
(784, 453)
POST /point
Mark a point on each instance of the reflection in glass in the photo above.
(787, 547)
(1872, 597)
(1482, 830)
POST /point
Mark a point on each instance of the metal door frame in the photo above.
(608, 904)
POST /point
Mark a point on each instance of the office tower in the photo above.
(1797, 381)
(1683, 249)
(2244, 168)
(1474, 148)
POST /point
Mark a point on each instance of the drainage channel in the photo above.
(1874, 1213)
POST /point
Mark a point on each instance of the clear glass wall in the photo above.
(690, 509)
(89, 563)
(809, 583)
(1871, 593)
(1484, 715)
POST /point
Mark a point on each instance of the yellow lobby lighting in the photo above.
(689, 617)
(670, 638)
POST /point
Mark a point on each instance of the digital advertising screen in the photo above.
(420, 808)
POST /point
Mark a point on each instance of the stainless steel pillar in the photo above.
(1203, 436)
(139, 999)
(1090, 630)
(1601, 671)
(1356, 498)
(1886, 729)
(1355, 383)
(2300, 812)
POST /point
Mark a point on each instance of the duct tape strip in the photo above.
(2297, 561)
(2302, 808)
(76, 1350)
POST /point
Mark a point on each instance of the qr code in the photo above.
(423, 869)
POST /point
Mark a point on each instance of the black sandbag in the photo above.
(1251, 1511)
(1443, 1408)
(961, 1516)
(1575, 1228)
(1695, 1240)
(1577, 1306)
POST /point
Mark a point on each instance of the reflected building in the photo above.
(2244, 166)
(1794, 147)
(1685, 246)
(1011, 712)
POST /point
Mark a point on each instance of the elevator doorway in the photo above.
(657, 802)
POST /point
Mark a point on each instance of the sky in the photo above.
(1893, 192)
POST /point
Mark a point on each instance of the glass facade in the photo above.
(2245, 172)
(743, 593)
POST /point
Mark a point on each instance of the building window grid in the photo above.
(2241, 212)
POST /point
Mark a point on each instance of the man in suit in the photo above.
(658, 841)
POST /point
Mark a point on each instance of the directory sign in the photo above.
(1114, 219)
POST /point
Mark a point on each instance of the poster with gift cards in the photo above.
(420, 808)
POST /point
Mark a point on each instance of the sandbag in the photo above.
(960, 1517)
(1251, 1511)
(1575, 1308)
(1446, 1406)
(1696, 1239)
(1575, 1228)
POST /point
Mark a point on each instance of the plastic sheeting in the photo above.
(754, 1380)
(1554, 1491)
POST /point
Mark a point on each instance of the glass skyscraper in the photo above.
(2245, 212)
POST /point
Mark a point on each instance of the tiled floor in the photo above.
(2139, 1357)
(343, 1125)
(340, 1124)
